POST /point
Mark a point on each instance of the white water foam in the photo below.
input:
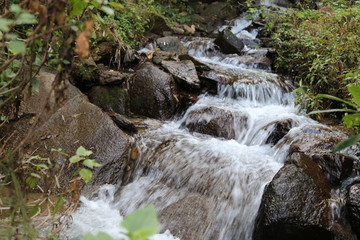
(100, 215)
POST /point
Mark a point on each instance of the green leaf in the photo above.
(81, 151)
(142, 223)
(117, 5)
(355, 93)
(76, 158)
(11, 36)
(31, 182)
(26, 18)
(34, 210)
(346, 143)
(15, 8)
(78, 7)
(35, 175)
(351, 120)
(58, 205)
(336, 99)
(86, 174)
(5, 24)
(98, 236)
(108, 10)
(35, 84)
(91, 163)
(41, 166)
(17, 47)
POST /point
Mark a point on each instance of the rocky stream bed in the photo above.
(200, 126)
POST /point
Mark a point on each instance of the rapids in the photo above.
(203, 186)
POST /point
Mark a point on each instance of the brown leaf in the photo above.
(82, 41)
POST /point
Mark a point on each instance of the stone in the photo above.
(122, 122)
(281, 128)
(216, 122)
(184, 72)
(295, 206)
(152, 93)
(107, 77)
(353, 205)
(171, 44)
(229, 43)
(110, 98)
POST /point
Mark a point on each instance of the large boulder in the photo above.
(317, 143)
(296, 205)
(184, 72)
(76, 123)
(216, 122)
(110, 98)
(228, 42)
(152, 93)
(353, 204)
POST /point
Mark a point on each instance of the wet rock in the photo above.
(188, 217)
(122, 122)
(171, 44)
(229, 43)
(184, 72)
(151, 93)
(216, 122)
(251, 43)
(353, 204)
(280, 129)
(110, 98)
(317, 143)
(295, 206)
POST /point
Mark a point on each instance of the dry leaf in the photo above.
(82, 41)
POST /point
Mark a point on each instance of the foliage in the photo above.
(352, 117)
(140, 225)
(319, 49)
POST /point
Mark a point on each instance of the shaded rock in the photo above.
(160, 26)
(216, 122)
(151, 93)
(113, 77)
(229, 43)
(80, 123)
(105, 52)
(353, 204)
(295, 206)
(280, 129)
(84, 73)
(171, 44)
(184, 72)
(110, 98)
(122, 122)
(160, 56)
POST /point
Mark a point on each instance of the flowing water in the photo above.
(205, 186)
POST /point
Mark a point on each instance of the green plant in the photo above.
(319, 48)
(352, 117)
(140, 225)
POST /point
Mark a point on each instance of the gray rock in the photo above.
(151, 93)
(171, 44)
(229, 43)
(216, 122)
(184, 72)
(110, 98)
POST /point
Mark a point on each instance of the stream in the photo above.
(205, 172)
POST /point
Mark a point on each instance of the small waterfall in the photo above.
(206, 172)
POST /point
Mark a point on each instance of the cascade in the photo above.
(206, 171)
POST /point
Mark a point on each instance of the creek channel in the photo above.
(205, 171)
